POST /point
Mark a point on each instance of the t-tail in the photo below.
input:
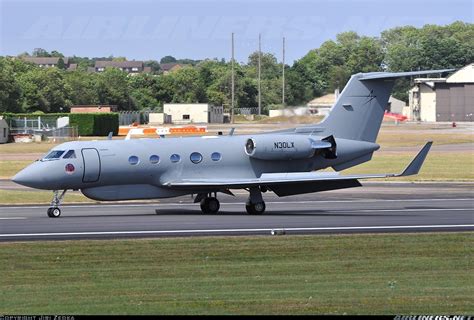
(359, 110)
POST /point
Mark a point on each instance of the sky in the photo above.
(149, 30)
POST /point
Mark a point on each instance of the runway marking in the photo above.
(98, 233)
(335, 211)
(233, 203)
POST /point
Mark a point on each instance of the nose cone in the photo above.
(30, 177)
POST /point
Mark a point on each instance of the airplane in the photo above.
(285, 162)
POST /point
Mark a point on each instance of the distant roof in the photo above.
(463, 75)
(72, 67)
(45, 60)
(324, 101)
(168, 66)
(119, 64)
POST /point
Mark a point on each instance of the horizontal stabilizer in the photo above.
(388, 75)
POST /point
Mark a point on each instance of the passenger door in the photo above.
(91, 165)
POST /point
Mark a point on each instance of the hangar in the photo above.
(443, 99)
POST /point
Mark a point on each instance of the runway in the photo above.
(374, 208)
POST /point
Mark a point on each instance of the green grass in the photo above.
(355, 274)
(30, 197)
(9, 168)
(388, 138)
(437, 166)
(37, 147)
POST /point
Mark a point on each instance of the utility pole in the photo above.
(232, 62)
(259, 73)
(283, 76)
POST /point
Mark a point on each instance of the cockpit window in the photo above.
(55, 154)
(70, 155)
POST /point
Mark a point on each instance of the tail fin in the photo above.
(359, 110)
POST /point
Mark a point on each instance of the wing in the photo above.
(317, 181)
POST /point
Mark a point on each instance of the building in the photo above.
(323, 104)
(395, 105)
(131, 67)
(184, 113)
(443, 99)
(4, 131)
(93, 108)
(170, 67)
(50, 62)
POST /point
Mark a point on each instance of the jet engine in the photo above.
(289, 147)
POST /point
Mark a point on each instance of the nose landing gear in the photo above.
(54, 211)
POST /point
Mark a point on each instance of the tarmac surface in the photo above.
(373, 208)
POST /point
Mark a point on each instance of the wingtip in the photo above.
(415, 165)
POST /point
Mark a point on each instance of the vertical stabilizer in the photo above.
(359, 110)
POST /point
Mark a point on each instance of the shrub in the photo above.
(95, 124)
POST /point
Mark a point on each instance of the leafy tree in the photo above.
(83, 87)
(430, 47)
(113, 89)
(155, 66)
(168, 59)
(40, 52)
(61, 64)
(186, 86)
(142, 94)
(44, 90)
(10, 90)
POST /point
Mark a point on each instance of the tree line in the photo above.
(25, 87)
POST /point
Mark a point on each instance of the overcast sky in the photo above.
(145, 29)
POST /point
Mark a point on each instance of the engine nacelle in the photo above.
(279, 147)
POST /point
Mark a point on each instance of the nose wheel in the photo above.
(53, 210)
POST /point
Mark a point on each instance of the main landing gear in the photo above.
(54, 211)
(254, 205)
(209, 204)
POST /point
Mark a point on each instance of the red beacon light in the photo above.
(69, 168)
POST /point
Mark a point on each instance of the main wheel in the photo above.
(54, 212)
(210, 205)
(255, 208)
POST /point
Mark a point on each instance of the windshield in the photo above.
(55, 154)
(70, 155)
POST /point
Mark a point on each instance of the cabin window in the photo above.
(154, 159)
(70, 155)
(216, 156)
(195, 157)
(55, 154)
(175, 158)
(133, 160)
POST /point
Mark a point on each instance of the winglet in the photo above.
(415, 165)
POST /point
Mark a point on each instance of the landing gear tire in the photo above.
(54, 212)
(255, 208)
(210, 205)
